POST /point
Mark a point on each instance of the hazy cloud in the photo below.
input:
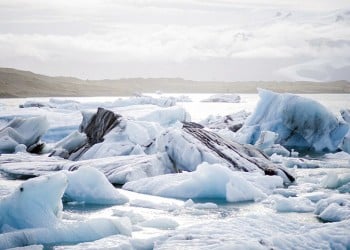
(304, 41)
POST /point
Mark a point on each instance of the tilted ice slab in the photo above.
(117, 169)
(230, 98)
(190, 145)
(208, 181)
(299, 122)
(26, 131)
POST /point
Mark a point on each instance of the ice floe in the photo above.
(208, 181)
(231, 98)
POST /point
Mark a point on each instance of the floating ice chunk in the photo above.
(167, 116)
(208, 181)
(72, 141)
(266, 143)
(35, 203)
(233, 121)
(333, 180)
(90, 186)
(301, 123)
(206, 205)
(231, 98)
(292, 204)
(67, 233)
(334, 208)
(25, 131)
(160, 223)
(20, 148)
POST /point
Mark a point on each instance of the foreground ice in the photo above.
(208, 181)
(300, 123)
(268, 231)
(32, 213)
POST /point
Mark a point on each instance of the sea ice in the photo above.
(25, 131)
(230, 98)
(292, 204)
(208, 181)
(35, 203)
(90, 186)
(300, 123)
(334, 208)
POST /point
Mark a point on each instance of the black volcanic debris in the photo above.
(228, 151)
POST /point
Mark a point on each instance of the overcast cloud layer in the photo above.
(200, 40)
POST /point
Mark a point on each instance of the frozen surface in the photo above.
(300, 123)
(35, 203)
(26, 131)
(90, 186)
(208, 181)
(231, 98)
(273, 215)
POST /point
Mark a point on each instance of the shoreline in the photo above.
(22, 84)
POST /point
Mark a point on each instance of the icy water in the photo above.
(163, 223)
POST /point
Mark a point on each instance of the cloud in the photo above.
(174, 33)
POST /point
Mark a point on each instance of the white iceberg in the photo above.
(90, 186)
(301, 123)
(25, 131)
(208, 181)
(35, 203)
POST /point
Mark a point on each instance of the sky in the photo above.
(207, 40)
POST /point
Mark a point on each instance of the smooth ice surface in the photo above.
(208, 181)
(90, 186)
(299, 122)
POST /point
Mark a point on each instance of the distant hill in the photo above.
(18, 83)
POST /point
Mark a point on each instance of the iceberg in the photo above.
(190, 145)
(90, 186)
(26, 131)
(212, 181)
(233, 121)
(35, 203)
(300, 123)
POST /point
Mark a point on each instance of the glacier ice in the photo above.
(208, 181)
(300, 123)
(25, 131)
(90, 186)
(35, 203)
(230, 98)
